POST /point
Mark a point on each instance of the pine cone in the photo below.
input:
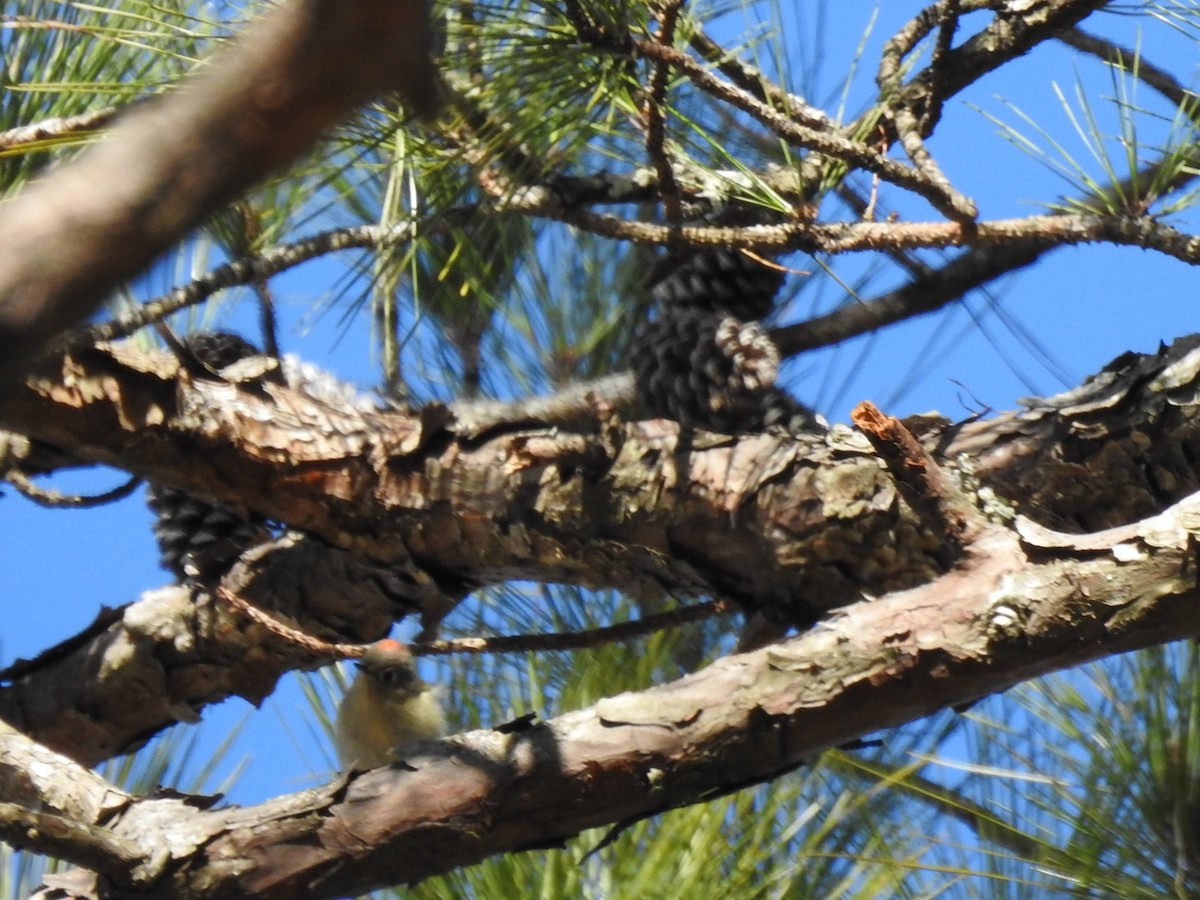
(218, 349)
(721, 279)
(781, 412)
(705, 370)
(199, 541)
(707, 362)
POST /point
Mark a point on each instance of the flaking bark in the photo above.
(1015, 608)
(787, 526)
(422, 515)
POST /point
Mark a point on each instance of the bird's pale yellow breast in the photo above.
(372, 722)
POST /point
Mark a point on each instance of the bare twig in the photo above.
(852, 152)
(911, 126)
(753, 81)
(926, 292)
(577, 640)
(50, 129)
(256, 268)
(655, 117)
(289, 633)
(517, 643)
(941, 50)
(57, 499)
(941, 504)
(1122, 57)
(1062, 229)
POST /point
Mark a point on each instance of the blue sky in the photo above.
(1086, 305)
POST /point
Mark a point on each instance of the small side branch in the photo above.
(91, 846)
(577, 640)
(924, 484)
(57, 128)
(654, 115)
(911, 126)
(57, 500)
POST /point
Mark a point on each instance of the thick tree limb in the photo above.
(402, 490)
(924, 293)
(79, 232)
(425, 515)
(1019, 607)
(163, 658)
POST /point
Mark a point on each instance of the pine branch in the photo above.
(320, 59)
(1023, 606)
(730, 517)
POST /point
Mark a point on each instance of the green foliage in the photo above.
(1121, 172)
(1077, 785)
(62, 59)
(1083, 785)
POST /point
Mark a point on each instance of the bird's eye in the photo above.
(394, 675)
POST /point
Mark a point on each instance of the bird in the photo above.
(386, 707)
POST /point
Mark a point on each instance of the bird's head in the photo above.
(390, 664)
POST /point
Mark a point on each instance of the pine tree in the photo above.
(595, 267)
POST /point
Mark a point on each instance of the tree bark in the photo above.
(404, 515)
(1018, 605)
(103, 217)
(415, 512)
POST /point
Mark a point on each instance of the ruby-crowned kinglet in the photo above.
(386, 707)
